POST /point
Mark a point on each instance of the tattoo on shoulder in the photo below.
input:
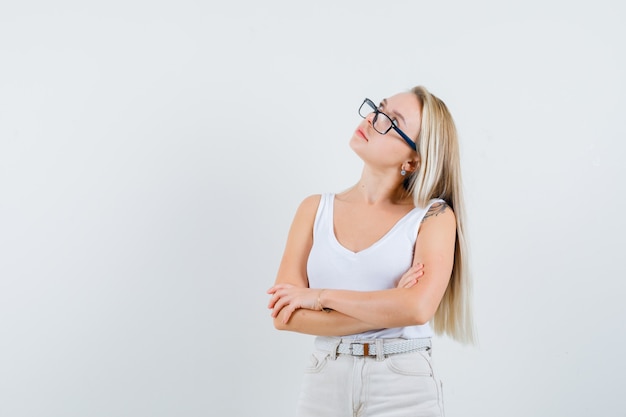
(435, 210)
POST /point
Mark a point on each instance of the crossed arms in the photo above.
(296, 307)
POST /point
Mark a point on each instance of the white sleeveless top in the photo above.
(378, 267)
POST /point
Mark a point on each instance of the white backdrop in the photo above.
(152, 155)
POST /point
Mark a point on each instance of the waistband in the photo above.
(374, 347)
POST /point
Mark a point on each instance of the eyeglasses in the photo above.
(383, 123)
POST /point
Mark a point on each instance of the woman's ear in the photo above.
(412, 165)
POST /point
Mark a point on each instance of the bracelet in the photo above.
(319, 302)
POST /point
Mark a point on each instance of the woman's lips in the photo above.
(360, 133)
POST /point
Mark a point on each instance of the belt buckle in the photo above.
(366, 348)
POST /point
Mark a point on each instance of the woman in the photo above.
(369, 269)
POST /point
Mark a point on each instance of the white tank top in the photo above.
(378, 267)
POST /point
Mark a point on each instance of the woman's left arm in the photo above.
(398, 307)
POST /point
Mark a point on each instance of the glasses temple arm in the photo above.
(406, 138)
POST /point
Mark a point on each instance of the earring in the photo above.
(403, 173)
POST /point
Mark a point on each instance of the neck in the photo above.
(380, 187)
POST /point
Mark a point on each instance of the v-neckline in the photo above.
(375, 243)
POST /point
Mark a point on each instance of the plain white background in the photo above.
(152, 155)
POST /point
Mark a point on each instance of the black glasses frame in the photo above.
(392, 123)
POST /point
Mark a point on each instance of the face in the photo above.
(390, 148)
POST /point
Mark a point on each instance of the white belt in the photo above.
(369, 347)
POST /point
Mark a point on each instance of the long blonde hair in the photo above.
(439, 176)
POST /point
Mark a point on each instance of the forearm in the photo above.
(396, 307)
(320, 323)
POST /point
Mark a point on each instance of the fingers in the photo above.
(287, 313)
(410, 277)
(273, 300)
(285, 307)
(277, 302)
(278, 307)
(282, 298)
(274, 291)
(277, 287)
(411, 283)
(287, 298)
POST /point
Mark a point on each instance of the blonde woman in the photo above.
(377, 270)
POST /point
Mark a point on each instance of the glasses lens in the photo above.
(366, 108)
(382, 123)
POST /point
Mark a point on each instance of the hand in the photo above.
(411, 277)
(290, 298)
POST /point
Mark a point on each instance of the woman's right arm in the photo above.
(293, 271)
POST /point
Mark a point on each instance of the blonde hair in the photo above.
(439, 176)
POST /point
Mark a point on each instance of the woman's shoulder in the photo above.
(438, 208)
(312, 200)
(438, 205)
(308, 206)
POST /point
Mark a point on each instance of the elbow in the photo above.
(421, 321)
(279, 325)
(421, 316)
(420, 310)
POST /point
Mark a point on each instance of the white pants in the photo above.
(394, 386)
